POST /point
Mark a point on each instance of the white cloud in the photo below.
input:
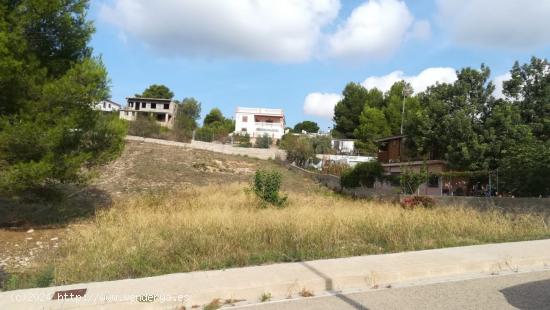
(498, 84)
(497, 23)
(374, 29)
(419, 82)
(321, 104)
(276, 30)
(421, 30)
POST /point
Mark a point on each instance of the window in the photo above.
(143, 105)
(166, 106)
(245, 119)
(131, 104)
(153, 105)
(104, 105)
(109, 105)
(433, 181)
(243, 129)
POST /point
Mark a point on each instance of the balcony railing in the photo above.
(268, 125)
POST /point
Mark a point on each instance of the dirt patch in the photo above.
(151, 167)
(18, 249)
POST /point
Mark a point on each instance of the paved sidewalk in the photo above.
(289, 279)
(499, 292)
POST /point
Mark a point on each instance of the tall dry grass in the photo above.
(197, 228)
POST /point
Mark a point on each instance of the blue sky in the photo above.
(229, 53)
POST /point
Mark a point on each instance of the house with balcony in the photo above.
(107, 106)
(395, 159)
(163, 110)
(257, 122)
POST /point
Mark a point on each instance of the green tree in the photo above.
(525, 170)
(48, 86)
(187, 114)
(308, 126)
(373, 125)
(450, 121)
(215, 115)
(299, 150)
(529, 89)
(263, 142)
(348, 110)
(157, 91)
(190, 108)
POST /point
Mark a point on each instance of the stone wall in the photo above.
(229, 149)
(333, 183)
(506, 203)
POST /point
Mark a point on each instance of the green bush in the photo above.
(410, 181)
(363, 174)
(242, 140)
(266, 185)
(263, 142)
(299, 150)
(145, 126)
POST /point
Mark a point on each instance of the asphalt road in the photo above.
(516, 291)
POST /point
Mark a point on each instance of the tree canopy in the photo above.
(157, 91)
(308, 126)
(49, 83)
(463, 123)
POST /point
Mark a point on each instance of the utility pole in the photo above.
(407, 91)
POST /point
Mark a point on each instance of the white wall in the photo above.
(254, 129)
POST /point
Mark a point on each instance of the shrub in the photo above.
(299, 150)
(363, 174)
(410, 181)
(242, 140)
(266, 185)
(145, 126)
(263, 142)
(411, 202)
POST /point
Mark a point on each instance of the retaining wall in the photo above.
(229, 149)
(507, 203)
(392, 194)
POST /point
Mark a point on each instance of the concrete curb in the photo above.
(288, 279)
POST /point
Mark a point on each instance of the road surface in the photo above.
(516, 291)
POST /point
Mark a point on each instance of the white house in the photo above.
(107, 106)
(163, 110)
(259, 121)
(343, 146)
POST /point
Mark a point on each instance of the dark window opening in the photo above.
(143, 105)
(166, 106)
(433, 181)
(161, 117)
(153, 105)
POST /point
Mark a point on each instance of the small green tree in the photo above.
(266, 185)
(263, 142)
(299, 150)
(185, 122)
(410, 181)
(242, 140)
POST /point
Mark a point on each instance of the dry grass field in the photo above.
(178, 210)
